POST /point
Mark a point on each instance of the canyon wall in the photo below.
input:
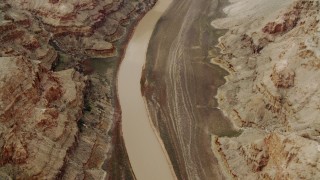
(272, 51)
(59, 113)
(38, 115)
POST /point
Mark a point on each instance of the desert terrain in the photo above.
(194, 90)
(263, 121)
(59, 113)
(272, 54)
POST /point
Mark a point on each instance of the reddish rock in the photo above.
(53, 1)
(31, 106)
(282, 78)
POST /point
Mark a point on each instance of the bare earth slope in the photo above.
(272, 50)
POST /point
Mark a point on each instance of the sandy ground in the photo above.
(147, 157)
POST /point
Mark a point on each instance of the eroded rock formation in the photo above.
(87, 28)
(38, 114)
(51, 124)
(272, 93)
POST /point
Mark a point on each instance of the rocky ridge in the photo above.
(272, 53)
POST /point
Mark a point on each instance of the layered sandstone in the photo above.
(54, 41)
(39, 111)
(272, 53)
(21, 35)
(84, 29)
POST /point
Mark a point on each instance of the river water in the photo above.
(145, 150)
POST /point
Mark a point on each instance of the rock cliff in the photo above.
(272, 53)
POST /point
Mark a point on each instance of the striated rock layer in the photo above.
(272, 52)
(59, 114)
(39, 110)
(88, 28)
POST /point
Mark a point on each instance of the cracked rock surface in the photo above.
(272, 92)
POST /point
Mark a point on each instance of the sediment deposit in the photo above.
(179, 84)
(272, 52)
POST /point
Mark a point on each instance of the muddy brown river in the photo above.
(145, 149)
